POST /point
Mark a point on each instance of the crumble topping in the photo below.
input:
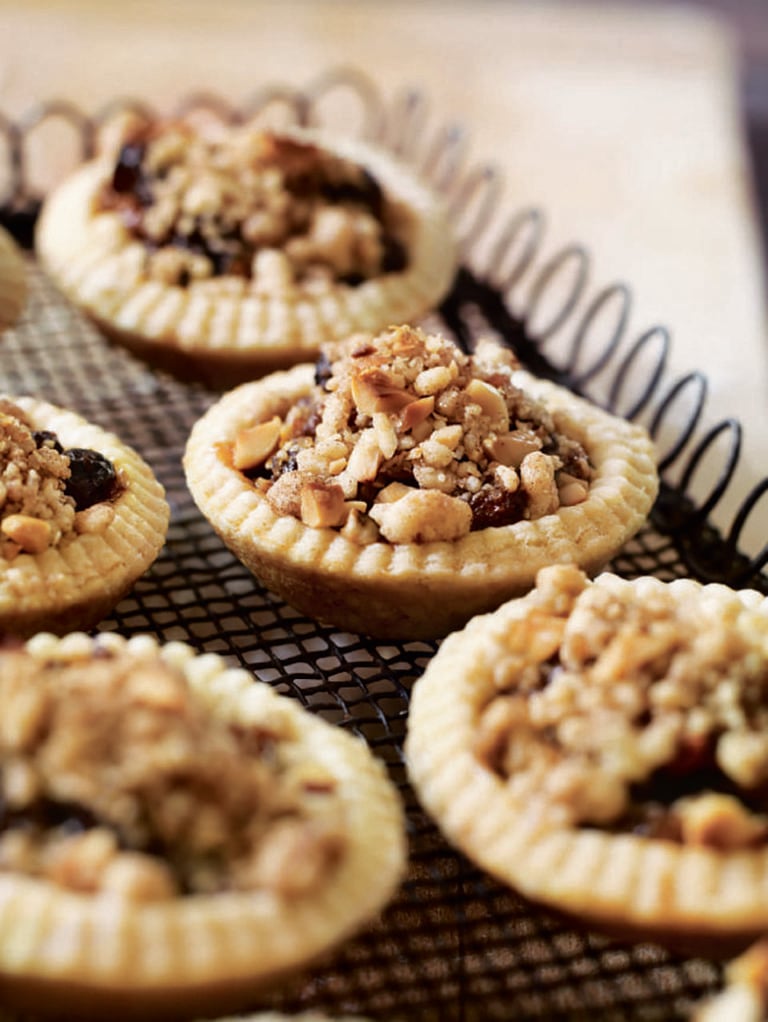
(45, 491)
(267, 212)
(635, 714)
(115, 777)
(405, 438)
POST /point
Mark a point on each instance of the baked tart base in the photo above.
(414, 589)
(76, 582)
(87, 953)
(691, 873)
(13, 281)
(225, 329)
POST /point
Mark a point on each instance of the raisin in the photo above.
(45, 438)
(493, 507)
(352, 279)
(365, 192)
(284, 460)
(47, 814)
(323, 370)
(92, 478)
(128, 171)
(395, 258)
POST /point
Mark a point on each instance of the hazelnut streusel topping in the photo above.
(116, 778)
(405, 438)
(35, 511)
(268, 212)
(647, 715)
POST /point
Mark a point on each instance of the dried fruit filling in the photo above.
(117, 778)
(404, 438)
(645, 715)
(270, 210)
(47, 492)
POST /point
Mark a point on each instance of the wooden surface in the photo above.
(622, 123)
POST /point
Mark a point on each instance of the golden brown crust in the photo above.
(227, 336)
(75, 583)
(204, 953)
(689, 894)
(13, 281)
(416, 590)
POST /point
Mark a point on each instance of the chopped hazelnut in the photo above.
(255, 444)
(491, 402)
(33, 535)
(510, 448)
(94, 519)
(416, 412)
(323, 505)
(370, 397)
(719, 821)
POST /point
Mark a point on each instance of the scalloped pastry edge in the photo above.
(694, 899)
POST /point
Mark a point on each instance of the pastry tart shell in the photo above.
(74, 584)
(694, 899)
(13, 281)
(224, 339)
(81, 955)
(416, 590)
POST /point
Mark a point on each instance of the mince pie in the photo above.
(399, 486)
(223, 252)
(82, 516)
(602, 747)
(174, 836)
(13, 281)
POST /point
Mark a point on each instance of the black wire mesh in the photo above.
(453, 945)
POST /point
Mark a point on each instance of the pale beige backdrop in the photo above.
(622, 123)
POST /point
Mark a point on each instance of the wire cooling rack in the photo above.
(454, 946)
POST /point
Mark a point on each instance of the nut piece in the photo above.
(491, 403)
(323, 505)
(33, 535)
(720, 821)
(94, 519)
(365, 458)
(510, 448)
(137, 878)
(255, 444)
(537, 475)
(373, 396)
(416, 412)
